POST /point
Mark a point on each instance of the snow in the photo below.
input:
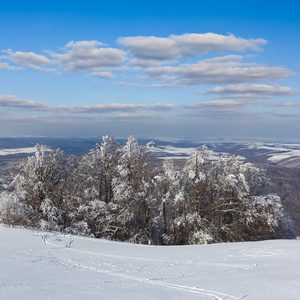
(172, 152)
(287, 154)
(43, 265)
(17, 151)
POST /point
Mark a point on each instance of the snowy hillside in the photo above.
(40, 265)
(285, 155)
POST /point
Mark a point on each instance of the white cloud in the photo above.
(219, 70)
(210, 73)
(144, 62)
(88, 56)
(107, 75)
(6, 66)
(28, 59)
(186, 45)
(161, 71)
(114, 107)
(128, 84)
(164, 85)
(259, 91)
(12, 101)
(150, 47)
(194, 43)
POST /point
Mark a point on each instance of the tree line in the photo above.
(115, 192)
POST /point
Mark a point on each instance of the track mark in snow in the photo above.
(107, 255)
(196, 290)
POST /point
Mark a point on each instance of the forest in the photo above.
(118, 192)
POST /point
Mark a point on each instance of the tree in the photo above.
(12, 212)
(113, 192)
(91, 186)
(40, 178)
(130, 188)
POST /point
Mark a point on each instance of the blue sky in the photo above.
(186, 69)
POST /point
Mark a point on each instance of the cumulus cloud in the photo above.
(258, 91)
(115, 107)
(210, 73)
(186, 45)
(12, 101)
(6, 66)
(107, 75)
(162, 60)
(28, 59)
(194, 43)
(88, 55)
(144, 63)
(161, 71)
(150, 47)
(221, 70)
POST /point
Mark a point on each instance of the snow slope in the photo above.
(285, 155)
(40, 265)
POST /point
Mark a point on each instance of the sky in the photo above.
(170, 69)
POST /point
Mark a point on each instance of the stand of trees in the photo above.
(114, 192)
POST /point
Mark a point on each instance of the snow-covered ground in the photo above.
(172, 152)
(282, 154)
(40, 265)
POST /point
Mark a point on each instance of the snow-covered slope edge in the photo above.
(40, 265)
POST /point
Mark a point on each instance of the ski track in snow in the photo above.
(196, 290)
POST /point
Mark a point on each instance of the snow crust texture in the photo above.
(43, 265)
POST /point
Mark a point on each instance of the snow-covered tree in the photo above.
(12, 211)
(104, 158)
(114, 192)
(218, 200)
(40, 178)
(131, 192)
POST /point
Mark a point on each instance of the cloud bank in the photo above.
(259, 91)
(235, 85)
(186, 45)
(11, 101)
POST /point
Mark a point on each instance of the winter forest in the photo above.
(119, 193)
